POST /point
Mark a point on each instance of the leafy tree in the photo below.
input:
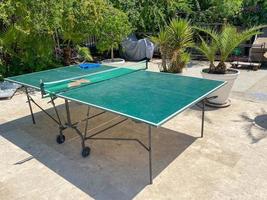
(26, 34)
(150, 15)
(213, 11)
(80, 19)
(254, 12)
(114, 29)
(130, 7)
(30, 30)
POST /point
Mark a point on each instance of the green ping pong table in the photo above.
(131, 92)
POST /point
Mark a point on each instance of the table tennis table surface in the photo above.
(150, 97)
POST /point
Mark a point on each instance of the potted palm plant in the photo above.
(222, 43)
(173, 42)
(161, 40)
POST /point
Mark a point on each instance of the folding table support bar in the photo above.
(30, 99)
(30, 105)
(203, 118)
(150, 154)
(84, 136)
(68, 112)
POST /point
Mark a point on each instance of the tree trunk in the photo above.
(67, 56)
(220, 68)
(212, 67)
(56, 40)
(164, 61)
(112, 54)
(177, 64)
(6, 64)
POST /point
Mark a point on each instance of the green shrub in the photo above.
(31, 31)
(214, 11)
(150, 15)
(26, 35)
(254, 12)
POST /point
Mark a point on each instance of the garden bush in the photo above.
(26, 35)
(254, 12)
(149, 15)
(36, 35)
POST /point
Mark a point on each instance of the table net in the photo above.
(60, 86)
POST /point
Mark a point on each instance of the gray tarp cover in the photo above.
(7, 89)
(135, 50)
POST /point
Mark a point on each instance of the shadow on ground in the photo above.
(258, 122)
(198, 107)
(114, 170)
(261, 121)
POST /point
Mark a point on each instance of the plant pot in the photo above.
(222, 99)
(113, 61)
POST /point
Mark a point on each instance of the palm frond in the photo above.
(209, 50)
(228, 41)
(161, 39)
(230, 38)
(180, 38)
(85, 53)
(210, 32)
(181, 33)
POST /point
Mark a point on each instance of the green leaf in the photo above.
(114, 28)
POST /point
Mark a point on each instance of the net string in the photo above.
(70, 83)
(133, 67)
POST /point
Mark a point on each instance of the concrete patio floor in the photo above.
(230, 162)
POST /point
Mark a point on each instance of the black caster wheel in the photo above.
(60, 139)
(86, 152)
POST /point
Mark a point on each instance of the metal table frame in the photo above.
(83, 134)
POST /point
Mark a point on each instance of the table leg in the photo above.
(68, 112)
(149, 155)
(30, 105)
(203, 118)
